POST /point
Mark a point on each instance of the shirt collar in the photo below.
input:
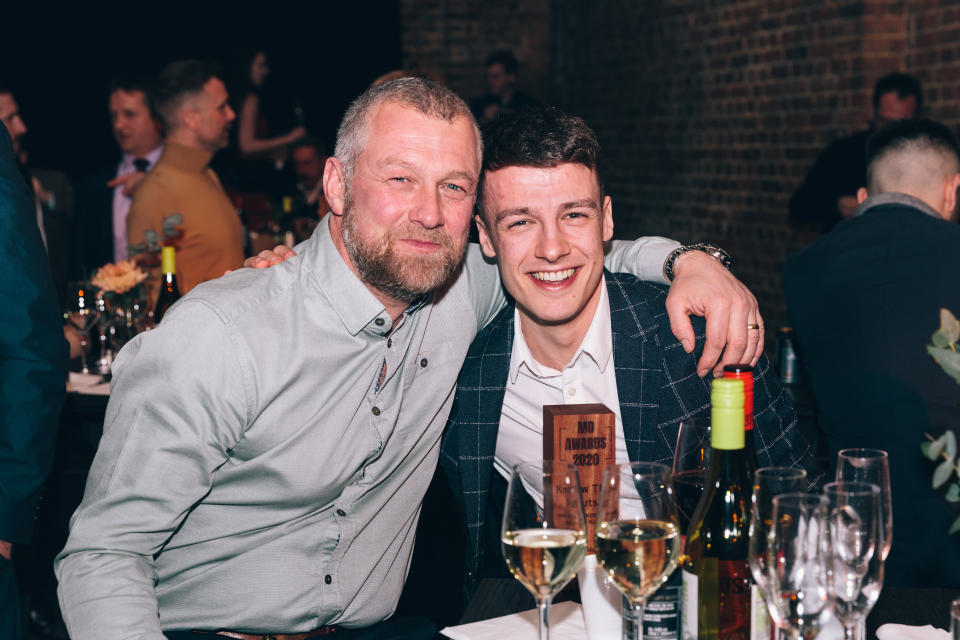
(126, 162)
(895, 198)
(355, 305)
(597, 343)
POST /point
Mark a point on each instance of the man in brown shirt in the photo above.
(181, 202)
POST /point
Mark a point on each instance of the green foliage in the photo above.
(943, 349)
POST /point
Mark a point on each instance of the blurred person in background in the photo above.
(864, 301)
(253, 130)
(33, 369)
(502, 95)
(829, 192)
(181, 202)
(104, 196)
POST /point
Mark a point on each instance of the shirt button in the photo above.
(378, 322)
(341, 512)
(376, 411)
(571, 392)
(389, 342)
(328, 578)
(423, 362)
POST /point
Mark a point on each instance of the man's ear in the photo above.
(334, 185)
(485, 245)
(862, 195)
(607, 214)
(950, 186)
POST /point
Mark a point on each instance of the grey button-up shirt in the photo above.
(267, 448)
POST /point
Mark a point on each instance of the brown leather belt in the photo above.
(316, 633)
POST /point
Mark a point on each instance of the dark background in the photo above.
(60, 57)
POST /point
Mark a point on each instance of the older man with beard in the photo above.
(267, 448)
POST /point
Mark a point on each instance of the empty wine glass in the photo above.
(856, 533)
(691, 458)
(873, 466)
(768, 482)
(544, 546)
(80, 311)
(798, 559)
(638, 542)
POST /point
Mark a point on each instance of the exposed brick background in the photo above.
(710, 113)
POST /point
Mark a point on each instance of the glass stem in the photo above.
(637, 617)
(543, 621)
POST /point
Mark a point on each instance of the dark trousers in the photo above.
(393, 629)
(9, 602)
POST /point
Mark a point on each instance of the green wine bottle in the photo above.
(169, 291)
(716, 574)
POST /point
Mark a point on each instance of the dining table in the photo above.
(497, 597)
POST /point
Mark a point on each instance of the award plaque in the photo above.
(584, 435)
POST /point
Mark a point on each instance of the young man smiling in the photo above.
(576, 333)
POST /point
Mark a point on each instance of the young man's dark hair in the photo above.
(539, 137)
(923, 134)
(179, 80)
(904, 85)
(506, 58)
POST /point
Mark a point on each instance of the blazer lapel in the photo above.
(637, 371)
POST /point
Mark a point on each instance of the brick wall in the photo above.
(710, 113)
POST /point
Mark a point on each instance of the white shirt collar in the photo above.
(126, 162)
(597, 343)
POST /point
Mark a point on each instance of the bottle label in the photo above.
(689, 602)
(760, 625)
(733, 598)
(661, 617)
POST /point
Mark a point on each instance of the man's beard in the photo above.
(402, 277)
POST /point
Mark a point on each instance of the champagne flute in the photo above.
(80, 311)
(856, 533)
(691, 458)
(798, 564)
(768, 482)
(638, 541)
(873, 466)
(544, 546)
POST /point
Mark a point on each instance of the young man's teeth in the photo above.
(553, 276)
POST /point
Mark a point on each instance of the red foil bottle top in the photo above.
(743, 372)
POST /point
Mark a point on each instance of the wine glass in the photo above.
(856, 533)
(80, 311)
(691, 458)
(798, 564)
(544, 546)
(638, 541)
(873, 466)
(768, 482)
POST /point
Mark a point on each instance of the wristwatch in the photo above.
(708, 248)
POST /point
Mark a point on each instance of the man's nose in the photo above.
(428, 212)
(551, 244)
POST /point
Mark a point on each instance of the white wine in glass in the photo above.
(637, 542)
(544, 544)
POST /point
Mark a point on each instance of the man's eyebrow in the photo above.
(409, 166)
(586, 203)
(515, 211)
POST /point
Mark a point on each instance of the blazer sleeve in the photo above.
(33, 355)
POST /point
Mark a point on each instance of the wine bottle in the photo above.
(169, 292)
(745, 372)
(716, 575)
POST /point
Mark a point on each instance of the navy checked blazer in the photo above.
(657, 384)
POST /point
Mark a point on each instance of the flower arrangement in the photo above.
(944, 349)
(118, 278)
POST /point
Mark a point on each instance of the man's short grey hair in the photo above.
(427, 96)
